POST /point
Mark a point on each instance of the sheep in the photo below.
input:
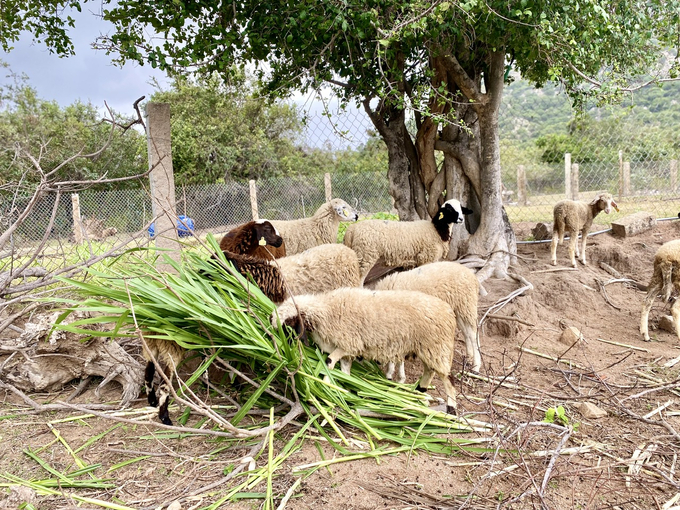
(454, 284)
(404, 243)
(319, 269)
(258, 239)
(576, 217)
(169, 354)
(321, 228)
(385, 326)
(666, 276)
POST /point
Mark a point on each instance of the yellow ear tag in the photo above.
(344, 211)
(262, 242)
(441, 215)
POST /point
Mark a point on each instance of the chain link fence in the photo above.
(634, 162)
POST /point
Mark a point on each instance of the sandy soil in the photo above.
(625, 460)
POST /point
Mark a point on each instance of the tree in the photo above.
(443, 63)
(52, 134)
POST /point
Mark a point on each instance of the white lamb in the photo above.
(405, 244)
(322, 228)
(574, 217)
(665, 278)
(385, 326)
(451, 282)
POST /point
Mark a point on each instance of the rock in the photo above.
(570, 336)
(590, 411)
(666, 323)
(542, 231)
(175, 505)
(633, 224)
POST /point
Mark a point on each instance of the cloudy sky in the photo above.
(87, 76)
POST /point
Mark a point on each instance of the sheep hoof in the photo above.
(421, 389)
(451, 410)
(553, 262)
(326, 379)
(166, 420)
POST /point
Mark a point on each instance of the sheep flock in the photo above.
(317, 285)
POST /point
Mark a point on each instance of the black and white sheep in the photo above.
(574, 217)
(454, 284)
(385, 326)
(406, 244)
(169, 355)
(321, 228)
(258, 239)
(665, 278)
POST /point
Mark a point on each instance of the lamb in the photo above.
(576, 217)
(666, 276)
(258, 239)
(169, 354)
(321, 228)
(316, 270)
(404, 243)
(454, 284)
(385, 326)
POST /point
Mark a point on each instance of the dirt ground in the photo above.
(625, 459)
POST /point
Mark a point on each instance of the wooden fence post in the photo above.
(327, 187)
(674, 175)
(162, 181)
(567, 175)
(574, 181)
(253, 200)
(77, 219)
(626, 178)
(521, 185)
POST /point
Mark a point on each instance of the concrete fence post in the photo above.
(327, 186)
(626, 178)
(253, 200)
(574, 181)
(162, 181)
(674, 175)
(521, 185)
(567, 175)
(77, 218)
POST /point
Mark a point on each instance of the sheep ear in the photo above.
(466, 210)
(296, 323)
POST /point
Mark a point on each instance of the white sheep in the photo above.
(405, 244)
(451, 282)
(574, 217)
(665, 277)
(385, 326)
(321, 228)
(320, 269)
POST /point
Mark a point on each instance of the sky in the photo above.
(90, 75)
(87, 76)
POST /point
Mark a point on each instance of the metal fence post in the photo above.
(327, 186)
(253, 200)
(162, 180)
(567, 174)
(521, 185)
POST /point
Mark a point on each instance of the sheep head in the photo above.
(343, 211)
(605, 202)
(266, 234)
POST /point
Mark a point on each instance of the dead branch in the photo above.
(510, 318)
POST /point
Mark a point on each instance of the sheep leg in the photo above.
(337, 355)
(572, 249)
(471, 344)
(164, 399)
(584, 236)
(149, 373)
(389, 373)
(553, 248)
(653, 290)
(450, 391)
(675, 312)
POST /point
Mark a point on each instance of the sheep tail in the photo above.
(666, 267)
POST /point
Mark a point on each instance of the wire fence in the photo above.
(635, 163)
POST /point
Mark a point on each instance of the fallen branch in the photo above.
(622, 345)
